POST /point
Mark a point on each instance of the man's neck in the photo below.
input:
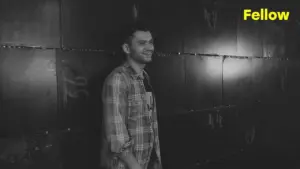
(138, 68)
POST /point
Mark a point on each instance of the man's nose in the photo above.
(150, 46)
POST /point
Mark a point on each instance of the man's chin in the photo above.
(148, 61)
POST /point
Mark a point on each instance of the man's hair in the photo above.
(130, 29)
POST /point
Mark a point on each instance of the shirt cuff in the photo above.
(125, 149)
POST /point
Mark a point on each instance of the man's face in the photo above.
(141, 47)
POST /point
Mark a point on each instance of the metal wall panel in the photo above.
(81, 75)
(203, 82)
(292, 43)
(266, 80)
(240, 82)
(28, 90)
(93, 23)
(168, 79)
(249, 42)
(167, 76)
(166, 23)
(248, 80)
(272, 87)
(293, 81)
(273, 39)
(199, 37)
(30, 23)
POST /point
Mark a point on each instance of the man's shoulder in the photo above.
(117, 74)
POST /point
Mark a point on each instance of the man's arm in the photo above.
(156, 131)
(114, 99)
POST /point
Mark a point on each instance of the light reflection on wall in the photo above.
(214, 67)
(244, 49)
(28, 75)
(235, 68)
(222, 46)
(39, 71)
(232, 68)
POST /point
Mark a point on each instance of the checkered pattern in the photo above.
(129, 126)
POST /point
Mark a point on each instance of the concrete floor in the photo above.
(256, 159)
(187, 145)
(252, 157)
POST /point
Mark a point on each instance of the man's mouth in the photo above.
(148, 53)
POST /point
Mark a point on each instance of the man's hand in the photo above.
(136, 166)
(130, 161)
(157, 165)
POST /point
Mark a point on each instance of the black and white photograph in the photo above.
(149, 84)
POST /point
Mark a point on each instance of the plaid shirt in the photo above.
(129, 126)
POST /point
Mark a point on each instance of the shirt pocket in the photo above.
(135, 110)
(133, 114)
(133, 119)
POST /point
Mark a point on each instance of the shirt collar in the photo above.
(132, 72)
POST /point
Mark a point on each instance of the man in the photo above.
(131, 139)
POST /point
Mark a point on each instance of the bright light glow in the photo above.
(37, 71)
(234, 68)
(245, 47)
(222, 45)
(214, 67)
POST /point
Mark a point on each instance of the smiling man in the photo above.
(131, 139)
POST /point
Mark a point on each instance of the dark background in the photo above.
(47, 43)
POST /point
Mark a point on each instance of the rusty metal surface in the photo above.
(203, 82)
(30, 23)
(80, 78)
(28, 90)
(168, 80)
(93, 23)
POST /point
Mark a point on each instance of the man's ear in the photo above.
(125, 47)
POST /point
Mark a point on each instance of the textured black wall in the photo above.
(60, 88)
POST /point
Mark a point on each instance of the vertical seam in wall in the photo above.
(61, 23)
(58, 66)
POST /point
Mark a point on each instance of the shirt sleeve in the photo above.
(114, 97)
(156, 131)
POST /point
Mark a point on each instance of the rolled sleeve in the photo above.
(114, 97)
